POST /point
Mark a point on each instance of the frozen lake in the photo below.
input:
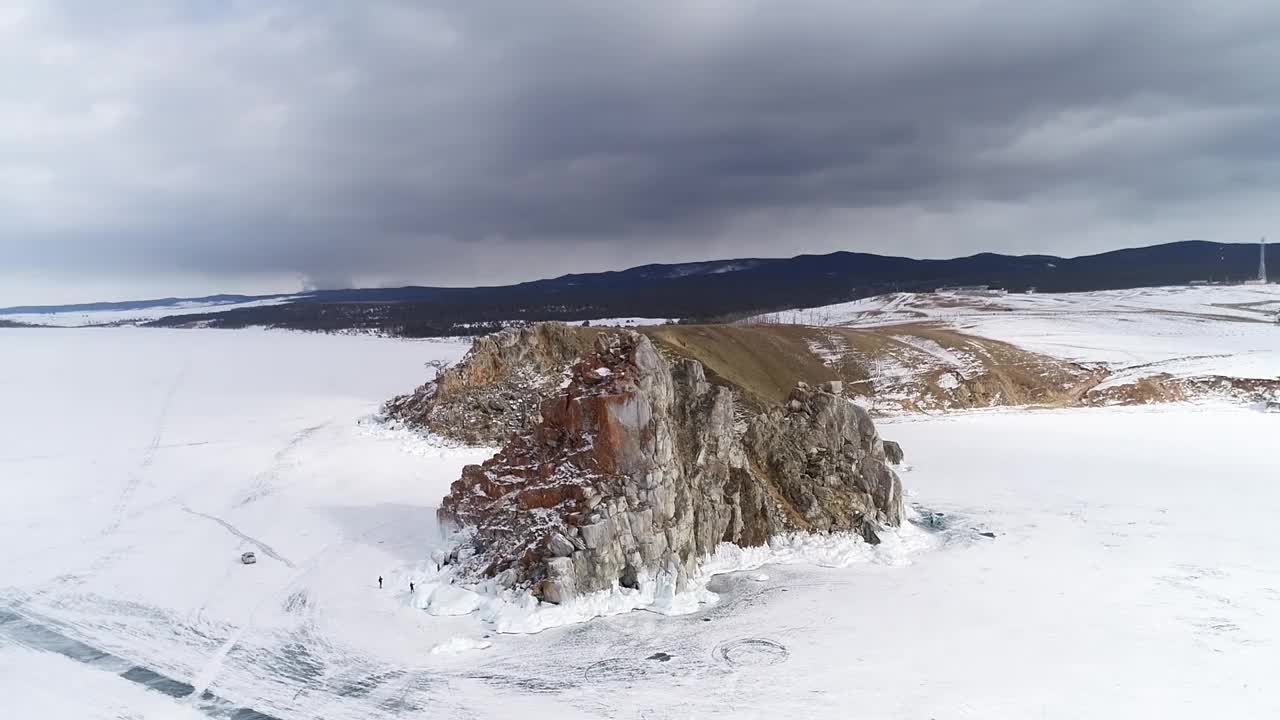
(1135, 570)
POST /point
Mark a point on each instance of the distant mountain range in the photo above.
(702, 290)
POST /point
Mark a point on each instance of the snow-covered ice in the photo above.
(459, 644)
(1134, 568)
(140, 463)
(88, 318)
(48, 686)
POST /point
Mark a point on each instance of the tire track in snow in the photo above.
(262, 482)
(149, 454)
(750, 651)
(265, 548)
(212, 669)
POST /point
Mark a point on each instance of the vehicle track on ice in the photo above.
(263, 481)
(294, 598)
(148, 455)
(750, 651)
(265, 548)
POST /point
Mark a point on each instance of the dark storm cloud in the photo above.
(489, 141)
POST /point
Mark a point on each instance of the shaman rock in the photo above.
(637, 470)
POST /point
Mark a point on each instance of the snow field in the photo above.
(1133, 571)
(138, 315)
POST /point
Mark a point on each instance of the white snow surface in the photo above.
(44, 685)
(455, 645)
(628, 321)
(943, 356)
(140, 315)
(1134, 571)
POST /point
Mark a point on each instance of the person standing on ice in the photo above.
(411, 586)
(379, 582)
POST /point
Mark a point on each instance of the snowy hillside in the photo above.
(1184, 331)
(140, 464)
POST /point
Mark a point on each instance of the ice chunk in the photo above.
(452, 600)
(455, 645)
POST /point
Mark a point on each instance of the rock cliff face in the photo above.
(498, 386)
(892, 452)
(637, 470)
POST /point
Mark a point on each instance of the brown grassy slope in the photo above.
(899, 366)
(999, 373)
(762, 361)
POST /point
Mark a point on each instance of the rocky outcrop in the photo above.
(892, 452)
(1164, 387)
(498, 386)
(638, 469)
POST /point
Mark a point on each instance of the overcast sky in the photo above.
(155, 148)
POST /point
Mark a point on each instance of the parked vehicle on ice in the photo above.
(248, 558)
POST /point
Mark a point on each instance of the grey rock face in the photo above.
(498, 387)
(636, 470)
(892, 452)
